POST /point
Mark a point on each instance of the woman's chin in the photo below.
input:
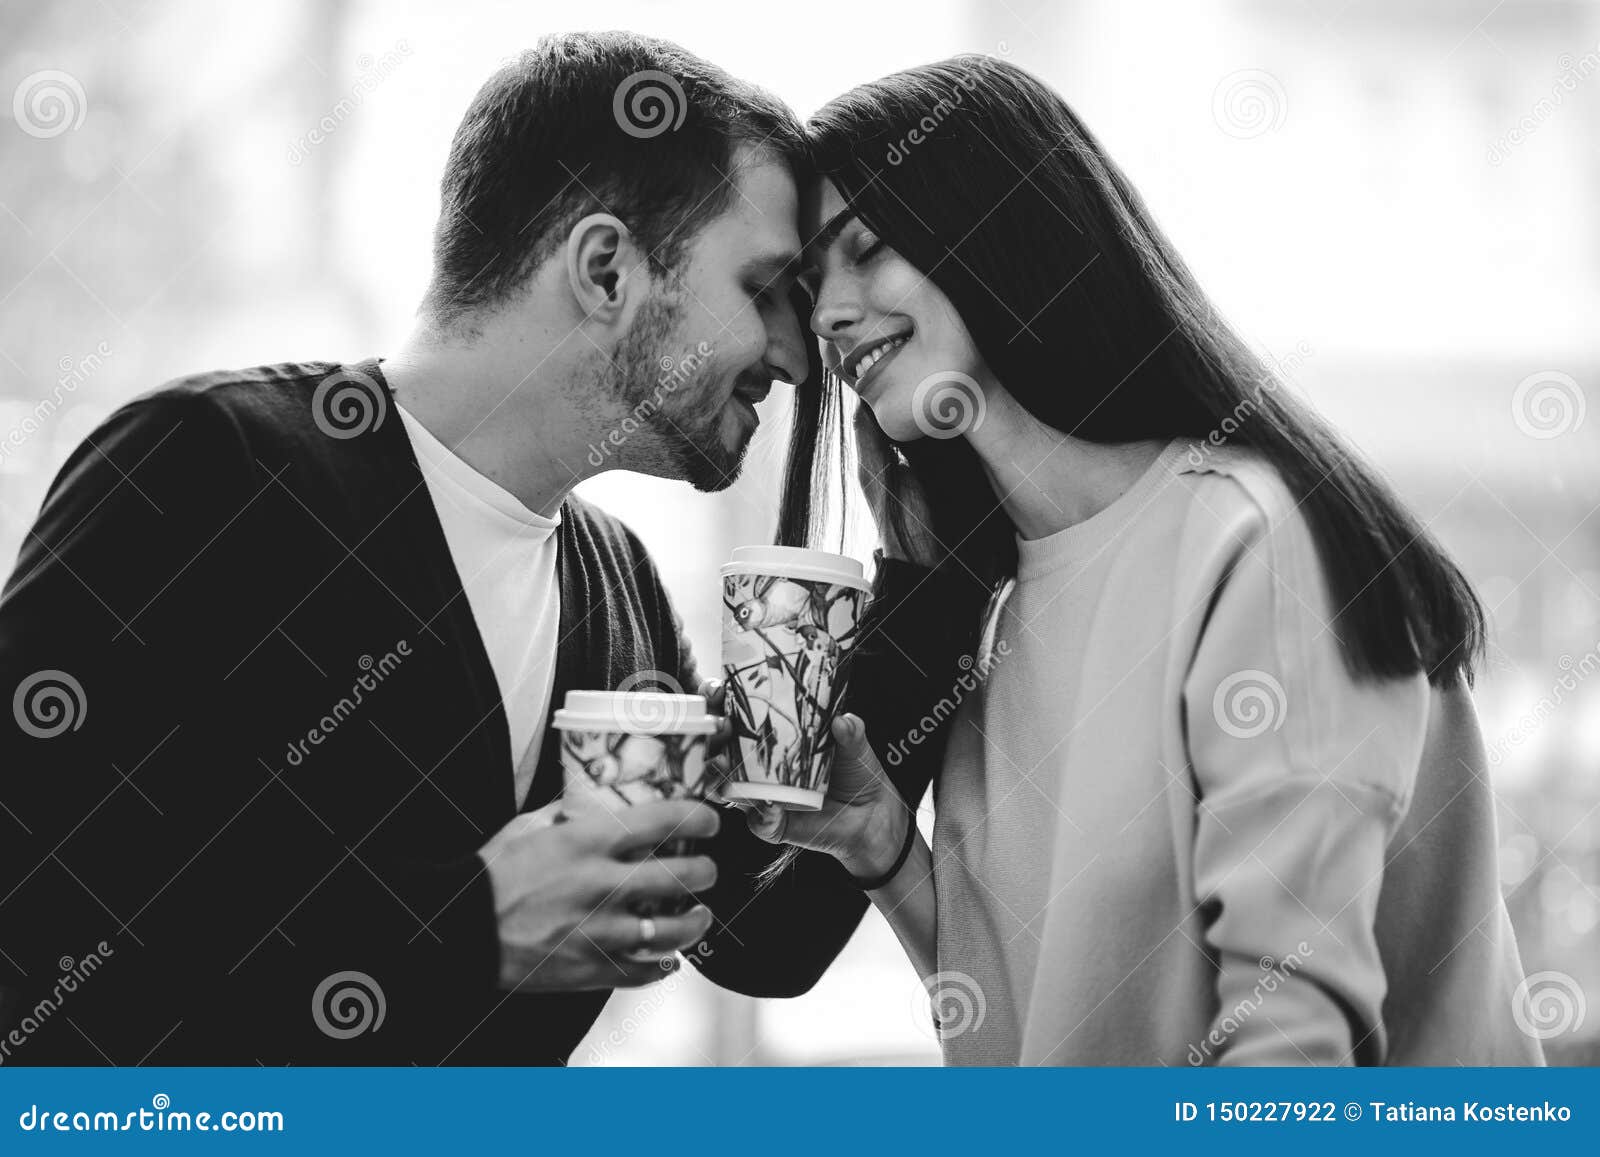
(896, 421)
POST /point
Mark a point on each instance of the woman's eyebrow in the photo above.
(829, 233)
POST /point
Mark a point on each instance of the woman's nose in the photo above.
(835, 312)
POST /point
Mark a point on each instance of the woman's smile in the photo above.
(865, 362)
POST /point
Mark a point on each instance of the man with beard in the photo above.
(284, 642)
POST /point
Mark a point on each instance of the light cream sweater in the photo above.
(1171, 829)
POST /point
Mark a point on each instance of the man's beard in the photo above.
(680, 434)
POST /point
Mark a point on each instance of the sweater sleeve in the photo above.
(1303, 774)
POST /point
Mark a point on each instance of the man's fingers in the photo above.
(664, 878)
(648, 825)
(718, 743)
(642, 969)
(716, 696)
(544, 817)
(620, 934)
(714, 779)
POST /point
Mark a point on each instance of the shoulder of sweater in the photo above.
(605, 530)
(270, 403)
(216, 416)
(1239, 481)
(1239, 504)
(245, 391)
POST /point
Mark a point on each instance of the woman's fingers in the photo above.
(856, 774)
(769, 822)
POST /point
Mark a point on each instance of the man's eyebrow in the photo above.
(829, 233)
(771, 267)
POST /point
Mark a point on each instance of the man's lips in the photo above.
(747, 402)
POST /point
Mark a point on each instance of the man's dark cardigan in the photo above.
(278, 744)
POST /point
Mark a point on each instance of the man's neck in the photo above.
(477, 404)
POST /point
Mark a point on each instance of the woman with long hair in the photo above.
(1213, 790)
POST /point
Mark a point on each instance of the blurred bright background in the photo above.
(1399, 200)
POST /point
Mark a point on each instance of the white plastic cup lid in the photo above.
(636, 713)
(797, 562)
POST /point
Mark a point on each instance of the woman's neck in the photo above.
(1046, 480)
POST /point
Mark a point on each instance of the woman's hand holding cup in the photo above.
(862, 822)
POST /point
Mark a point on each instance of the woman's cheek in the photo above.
(893, 412)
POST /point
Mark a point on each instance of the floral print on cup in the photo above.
(785, 646)
(618, 770)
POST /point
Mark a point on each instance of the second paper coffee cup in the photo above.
(789, 621)
(620, 748)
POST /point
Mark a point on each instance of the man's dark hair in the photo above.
(588, 123)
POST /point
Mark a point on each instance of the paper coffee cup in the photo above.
(789, 622)
(620, 748)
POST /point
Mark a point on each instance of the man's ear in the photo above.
(603, 262)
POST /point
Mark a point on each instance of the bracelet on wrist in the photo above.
(873, 883)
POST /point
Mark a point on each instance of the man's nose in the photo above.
(788, 356)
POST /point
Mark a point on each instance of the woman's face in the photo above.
(887, 329)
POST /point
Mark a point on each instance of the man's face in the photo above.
(704, 349)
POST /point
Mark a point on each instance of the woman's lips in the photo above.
(873, 370)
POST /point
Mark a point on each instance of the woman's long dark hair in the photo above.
(979, 175)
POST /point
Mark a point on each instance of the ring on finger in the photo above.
(647, 931)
